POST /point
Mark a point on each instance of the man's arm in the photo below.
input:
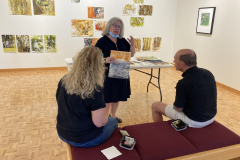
(177, 109)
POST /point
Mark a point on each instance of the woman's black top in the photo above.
(114, 89)
(74, 119)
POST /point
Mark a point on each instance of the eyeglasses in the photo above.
(117, 26)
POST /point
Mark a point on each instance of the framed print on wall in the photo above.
(205, 20)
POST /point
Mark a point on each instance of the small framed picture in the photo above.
(205, 20)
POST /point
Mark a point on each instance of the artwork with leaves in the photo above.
(205, 19)
(20, 7)
(96, 12)
(120, 68)
(90, 41)
(50, 43)
(23, 43)
(146, 44)
(156, 43)
(9, 43)
(137, 43)
(145, 10)
(82, 28)
(44, 7)
(75, 1)
(37, 43)
(129, 9)
(137, 21)
(100, 25)
(138, 1)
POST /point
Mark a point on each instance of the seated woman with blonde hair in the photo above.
(82, 119)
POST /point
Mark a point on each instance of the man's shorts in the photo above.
(173, 114)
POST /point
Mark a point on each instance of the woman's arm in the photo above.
(100, 116)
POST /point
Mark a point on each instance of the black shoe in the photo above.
(119, 120)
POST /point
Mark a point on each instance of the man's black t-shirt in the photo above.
(196, 93)
(74, 119)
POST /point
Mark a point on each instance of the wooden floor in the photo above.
(28, 110)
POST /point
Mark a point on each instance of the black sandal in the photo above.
(119, 120)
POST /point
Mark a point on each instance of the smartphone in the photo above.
(178, 125)
(124, 133)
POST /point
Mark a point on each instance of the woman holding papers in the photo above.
(115, 90)
(82, 119)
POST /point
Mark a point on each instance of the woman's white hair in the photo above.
(113, 20)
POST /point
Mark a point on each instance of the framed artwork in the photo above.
(205, 20)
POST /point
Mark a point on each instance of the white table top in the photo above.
(136, 65)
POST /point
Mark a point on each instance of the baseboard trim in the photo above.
(32, 69)
(228, 88)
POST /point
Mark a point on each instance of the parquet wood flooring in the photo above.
(28, 110)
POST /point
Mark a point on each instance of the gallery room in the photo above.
(41, 40)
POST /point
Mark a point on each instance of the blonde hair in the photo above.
(106, 30)
(87, 73)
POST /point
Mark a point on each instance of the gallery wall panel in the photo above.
(160, 24)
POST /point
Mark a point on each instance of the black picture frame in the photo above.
(205, 20)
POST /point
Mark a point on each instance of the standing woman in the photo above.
(115, 90)
(82, 119)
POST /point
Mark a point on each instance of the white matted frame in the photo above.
(205, 20)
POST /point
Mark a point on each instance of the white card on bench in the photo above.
(111, 152)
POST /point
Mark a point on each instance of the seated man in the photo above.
(196, 94)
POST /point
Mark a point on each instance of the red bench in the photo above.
(156, 141)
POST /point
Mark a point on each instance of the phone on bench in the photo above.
(178, 125)
(124, 133)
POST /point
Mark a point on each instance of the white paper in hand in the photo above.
(111, 152)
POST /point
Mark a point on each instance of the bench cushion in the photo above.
(95, 152)
(156, 141)
(210, 137)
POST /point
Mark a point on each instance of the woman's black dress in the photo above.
(114, 89)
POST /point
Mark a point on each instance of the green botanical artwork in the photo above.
(138, 1)
(50, 43)
(129, 9)
(44, 7)
(37, 43)
(205, 19)
(145, 10)
(147, 44)
(75, 1)
(20, 7)
(23, 43)
(9, 43)
(156, 43)
(137, 21)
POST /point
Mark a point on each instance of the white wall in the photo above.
(162, 24)
(219, 52)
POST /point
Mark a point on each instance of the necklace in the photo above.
(116, 46)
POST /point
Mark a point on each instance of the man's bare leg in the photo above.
(158, 109)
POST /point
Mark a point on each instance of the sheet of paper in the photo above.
(111, 152)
